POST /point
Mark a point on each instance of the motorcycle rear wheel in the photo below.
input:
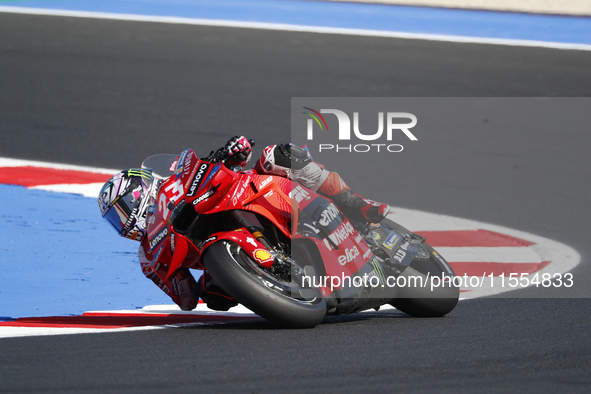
(269, 297)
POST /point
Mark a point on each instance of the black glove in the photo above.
(238, 151)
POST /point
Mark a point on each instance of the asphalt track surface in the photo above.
(107, 93)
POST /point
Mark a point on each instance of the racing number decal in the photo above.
(177, 192)
(162, 205)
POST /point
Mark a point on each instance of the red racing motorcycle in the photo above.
(284, 251)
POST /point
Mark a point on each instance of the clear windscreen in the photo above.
(162, 165)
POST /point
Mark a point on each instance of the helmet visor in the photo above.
(123, 213)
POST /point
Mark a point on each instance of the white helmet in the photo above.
(124, 201)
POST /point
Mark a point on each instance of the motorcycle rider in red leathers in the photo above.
(124, 201)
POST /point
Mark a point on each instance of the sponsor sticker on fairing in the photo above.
(187, 164)
(262, 256)
(198, 179)
(378, 270)
(391, 241)
(206, 195)
(179, 167)
(328, 215)
(210, 239)
(349, 255)
(158, 238)
(265, 182)
(299, 194)
(157, 256)
(341, 233)
(238, 193)
(400, 255)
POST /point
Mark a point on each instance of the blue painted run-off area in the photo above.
(484, 24)
(59, 257)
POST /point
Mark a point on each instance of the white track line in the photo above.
(86, 190)
(237, 311)
(8, 162)
(563, 257)
(489, 254)
(432, 222)
(297, 28)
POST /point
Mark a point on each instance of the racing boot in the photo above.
(182, 288)
(186, 290)
(213, 295)
(352, 204)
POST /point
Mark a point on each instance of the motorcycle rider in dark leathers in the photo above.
(123, 202)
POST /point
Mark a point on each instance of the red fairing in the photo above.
(351, 252)
(206, 186)
(213, 188)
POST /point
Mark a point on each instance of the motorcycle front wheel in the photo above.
(259, 290)
(427, 301)
(424, 301)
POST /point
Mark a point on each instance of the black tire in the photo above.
(421, 302)
(244, 280)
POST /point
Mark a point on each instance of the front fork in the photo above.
(255, 245)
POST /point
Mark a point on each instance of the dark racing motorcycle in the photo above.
(285, 252)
